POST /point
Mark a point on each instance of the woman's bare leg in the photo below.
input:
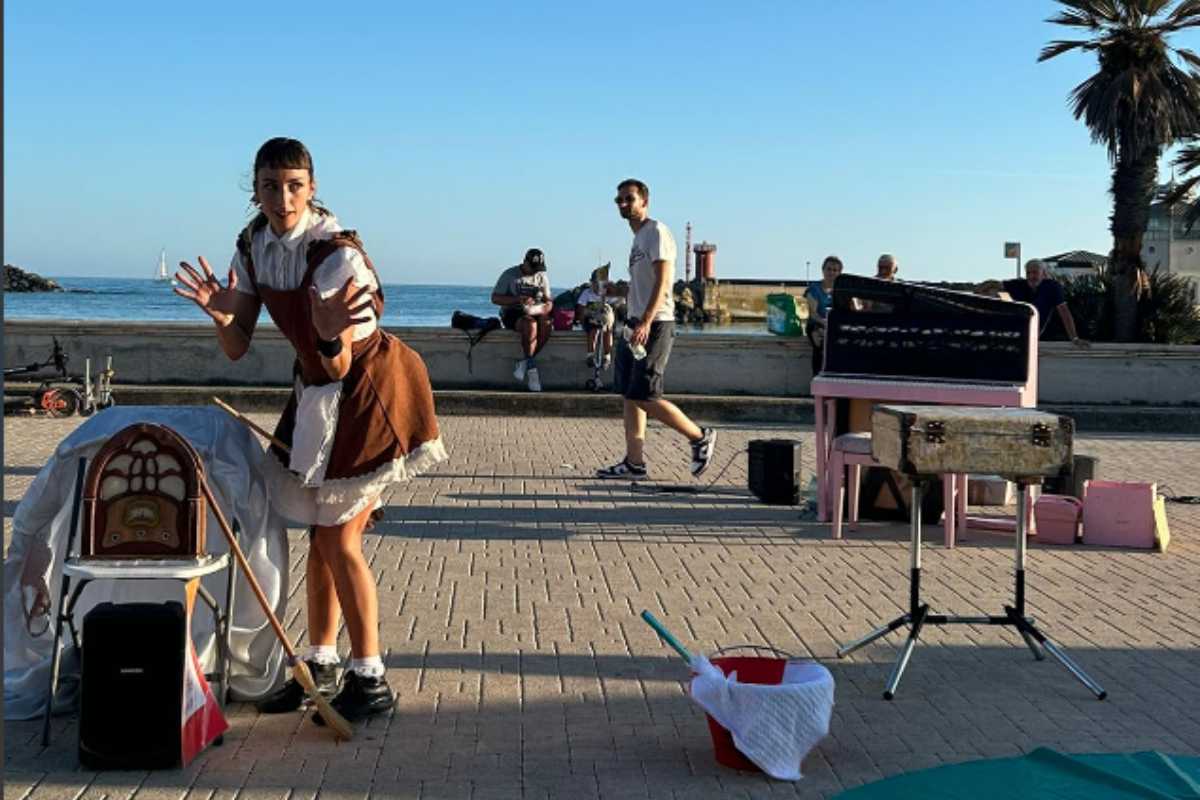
(324, 611)
(341, 549)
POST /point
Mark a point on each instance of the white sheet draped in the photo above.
(232, 459)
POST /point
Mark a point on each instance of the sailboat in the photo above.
(161, 275)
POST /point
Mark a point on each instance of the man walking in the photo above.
(651, 304)
(523, 294)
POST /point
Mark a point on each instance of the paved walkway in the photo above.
(510, 587)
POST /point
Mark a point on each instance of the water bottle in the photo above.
(638, 350)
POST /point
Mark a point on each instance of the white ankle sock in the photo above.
(371, 667)
(322, 654)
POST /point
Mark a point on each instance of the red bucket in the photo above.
(749, 669)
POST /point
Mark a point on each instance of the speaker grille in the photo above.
(131, 693)
(774, 471)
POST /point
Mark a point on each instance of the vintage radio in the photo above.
(774, 471)
(940, 440)
(142, 497)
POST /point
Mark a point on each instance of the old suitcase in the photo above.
(937, 440)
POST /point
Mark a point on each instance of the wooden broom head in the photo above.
(332, 719)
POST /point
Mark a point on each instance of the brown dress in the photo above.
(387, 430)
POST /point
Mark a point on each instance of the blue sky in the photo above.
(455, 136)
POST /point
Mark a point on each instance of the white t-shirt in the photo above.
(281, 261)
(588, 296)
(652, 242)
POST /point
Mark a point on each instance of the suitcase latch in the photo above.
(1041, 435)
(935, 432)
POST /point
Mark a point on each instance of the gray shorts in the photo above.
(643, 380)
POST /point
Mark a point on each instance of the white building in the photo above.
(1167, 245)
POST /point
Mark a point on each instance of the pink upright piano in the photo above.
(905, 343)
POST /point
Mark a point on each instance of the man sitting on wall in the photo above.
(523, 294)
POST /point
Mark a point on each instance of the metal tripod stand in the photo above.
(918, 614)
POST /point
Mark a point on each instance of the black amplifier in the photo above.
(131, 690)
(1083, 468)
(774, 471)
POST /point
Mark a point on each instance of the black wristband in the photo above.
(330, 348)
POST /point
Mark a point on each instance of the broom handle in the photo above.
(661, 630)
(251, 424)
(249, 573)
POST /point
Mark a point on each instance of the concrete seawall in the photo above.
(701, 364)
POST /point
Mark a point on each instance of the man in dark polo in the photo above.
(1046, 295)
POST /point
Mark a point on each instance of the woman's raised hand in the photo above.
(207, 292)
(340, 310)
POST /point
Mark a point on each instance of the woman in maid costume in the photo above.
(360, 419)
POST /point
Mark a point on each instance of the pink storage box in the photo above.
(1119, 513)
(1057, 518)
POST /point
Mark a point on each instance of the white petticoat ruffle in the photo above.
(338, 500)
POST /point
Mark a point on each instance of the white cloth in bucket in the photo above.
(773, 726)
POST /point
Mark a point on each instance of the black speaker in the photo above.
(884, 494)
(774, 471)
(131, 691)
(1083, 468)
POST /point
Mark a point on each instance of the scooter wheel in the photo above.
(61, 402)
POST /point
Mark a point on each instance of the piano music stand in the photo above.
(918, 614)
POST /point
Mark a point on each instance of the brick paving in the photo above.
(510, 584)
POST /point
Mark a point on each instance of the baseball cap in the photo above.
(536, 259)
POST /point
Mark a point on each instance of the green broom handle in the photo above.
(666, 636)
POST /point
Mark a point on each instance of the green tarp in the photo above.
(1047, 774)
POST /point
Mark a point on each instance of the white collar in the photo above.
(291, 239)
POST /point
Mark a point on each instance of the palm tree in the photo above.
(1137, 105)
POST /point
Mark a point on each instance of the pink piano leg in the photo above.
(1028, 490)
(961, 507)
(822, 458)
(949, 484)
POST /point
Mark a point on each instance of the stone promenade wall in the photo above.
(712, 364)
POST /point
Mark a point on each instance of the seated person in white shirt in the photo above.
(594, 311)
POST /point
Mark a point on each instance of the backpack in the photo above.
(475, 328)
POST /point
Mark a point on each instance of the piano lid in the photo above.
(906, 331)
(898, 297)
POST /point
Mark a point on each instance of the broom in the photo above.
(249, 423)
(336, 722)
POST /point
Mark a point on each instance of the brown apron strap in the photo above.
(318, 251)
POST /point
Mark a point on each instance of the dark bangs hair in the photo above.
(283, 153)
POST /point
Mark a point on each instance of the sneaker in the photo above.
(535, 381)
(519, 371)
(623, 470)
(702, 451)
(291, 696)
(361, 696)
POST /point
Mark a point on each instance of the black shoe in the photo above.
(623, 470)
(290, 696)
(360, 697)
(702, 450)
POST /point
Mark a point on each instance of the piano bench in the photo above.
(853, 451)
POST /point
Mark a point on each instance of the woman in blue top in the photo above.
(820, 299)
